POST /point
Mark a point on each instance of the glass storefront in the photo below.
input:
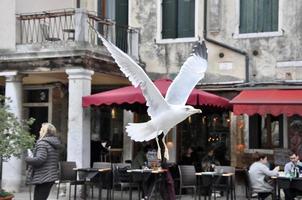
(201, 132)
(106, 134)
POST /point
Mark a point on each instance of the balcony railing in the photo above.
(73, 25)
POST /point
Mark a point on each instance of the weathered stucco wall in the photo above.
(30, 6)
(7, 24)
(272, 50)
(166, 59)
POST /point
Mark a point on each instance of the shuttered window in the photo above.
(265, 132)
(178, 18)
(258, 16)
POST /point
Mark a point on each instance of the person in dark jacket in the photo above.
(43, 165)
(209, 161)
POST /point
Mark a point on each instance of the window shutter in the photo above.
(269, 16)
(258, 16)
(169, 22)
(247, 16)
(121, 17)
(275, 14)
(186, 18)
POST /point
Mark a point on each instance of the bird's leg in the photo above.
(158, 149)
(166, 154)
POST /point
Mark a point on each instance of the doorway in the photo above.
(40, 114)
(36, 105)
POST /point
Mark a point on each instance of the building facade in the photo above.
(51, 58)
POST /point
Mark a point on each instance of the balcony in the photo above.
(73, 28)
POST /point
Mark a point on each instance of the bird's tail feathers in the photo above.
(140, 132)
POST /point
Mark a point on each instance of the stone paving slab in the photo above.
(24, 195)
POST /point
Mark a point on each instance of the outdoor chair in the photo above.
(67, 174)
(224, 183)
(187, 178)
(46, 35)
(249, 188)
(107, 179)
(121, 178)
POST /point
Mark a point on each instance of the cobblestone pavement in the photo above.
(24, 195)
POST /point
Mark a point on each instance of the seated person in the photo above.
(209, 161)
(140, 159)
(187, 157)
(259, 171)
(152, 159)
(292, 169)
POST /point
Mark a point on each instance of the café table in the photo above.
(141, 176)
(285, 182)
(207, 180)
(92, 173)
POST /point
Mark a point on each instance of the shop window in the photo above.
(178, 18)
(265, 132)
(295, 134)
(258, 16)
(106, 127)
(200, 132)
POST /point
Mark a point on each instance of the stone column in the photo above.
(12, 169)
(172, 145)
(78, 137)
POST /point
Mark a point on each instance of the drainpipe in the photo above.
(224, 45)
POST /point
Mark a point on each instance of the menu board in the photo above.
(281, 156)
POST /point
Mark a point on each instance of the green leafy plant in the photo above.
(4, 193)
(14, 135)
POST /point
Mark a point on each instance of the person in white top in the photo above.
(258, 172)
(293, 165)
(291, 169)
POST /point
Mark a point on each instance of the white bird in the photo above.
(165, 112)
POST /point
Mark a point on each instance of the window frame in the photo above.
(249, 149)
(238, 35)
(159, 38)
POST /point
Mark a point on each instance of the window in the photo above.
(202, 131)
(36, 96)
(107, 125)
(295, 134)
(265, 132)
(178, 18)
(258, 16)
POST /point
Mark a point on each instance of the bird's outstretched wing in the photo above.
(154, 100)
(191, 72)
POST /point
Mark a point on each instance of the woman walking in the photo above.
(43, 165)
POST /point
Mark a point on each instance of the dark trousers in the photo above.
(291, 193)
(42, 191)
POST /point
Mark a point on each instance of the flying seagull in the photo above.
(165, 112)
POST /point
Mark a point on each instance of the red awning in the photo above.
(131, 95)
(275, 102)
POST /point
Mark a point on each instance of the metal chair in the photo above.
(46, 33)
(107, 179)
(67, 174)
(249, 188)
(187, 178)
(225, 183)
(121, 178)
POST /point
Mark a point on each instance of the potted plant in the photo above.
(14, 138)
(5, 195)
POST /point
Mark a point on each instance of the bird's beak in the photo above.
(198, 111)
